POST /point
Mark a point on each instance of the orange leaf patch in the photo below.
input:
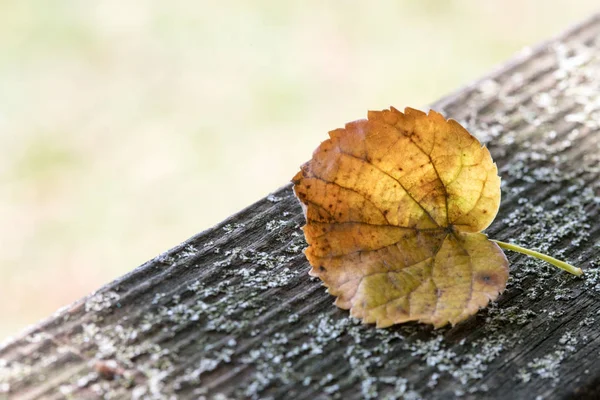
(394, 205)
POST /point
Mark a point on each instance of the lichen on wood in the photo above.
(232, 313)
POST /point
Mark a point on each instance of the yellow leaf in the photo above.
(394, 205)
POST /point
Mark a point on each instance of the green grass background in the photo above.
(128, 126)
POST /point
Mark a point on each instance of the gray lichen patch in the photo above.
(546, 226)
(102, 301)
(548, 366)
(375, 358)
(285, 360)
(119, 345)
(229, 228)
(466, 362)
(592, 279)
(11, 372)
(275, 225)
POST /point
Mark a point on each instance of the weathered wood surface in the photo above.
(232, 313)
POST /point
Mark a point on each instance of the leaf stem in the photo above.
(557, 263)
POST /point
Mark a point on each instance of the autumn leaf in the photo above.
(394, 207)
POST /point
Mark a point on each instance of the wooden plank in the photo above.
(232, 313)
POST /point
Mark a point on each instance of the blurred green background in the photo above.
(128, 126)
